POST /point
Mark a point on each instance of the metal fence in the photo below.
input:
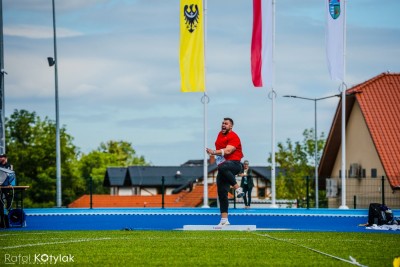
(300, 193)
(360, 192)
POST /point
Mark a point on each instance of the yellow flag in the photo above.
(191, 52)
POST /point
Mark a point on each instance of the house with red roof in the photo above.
(372, 145)
(142, 186)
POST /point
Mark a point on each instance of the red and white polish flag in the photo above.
(262, 44)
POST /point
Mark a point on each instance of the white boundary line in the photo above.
(60, 242)
(351, 261)
(192, 213)
(1, 235)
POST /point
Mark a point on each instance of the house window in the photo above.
(374, 173)
(261, 192)
(364, 173)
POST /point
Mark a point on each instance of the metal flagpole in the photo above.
(316, 156)
(273, 95)
(343, 163)
(58, 153)
(273, 184)
(2, 100)
(205, 101)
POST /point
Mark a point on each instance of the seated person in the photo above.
(4, 162)
(6, 165)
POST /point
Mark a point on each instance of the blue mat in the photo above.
(337, 220)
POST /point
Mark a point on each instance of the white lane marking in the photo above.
(58, 242)
(351, 261)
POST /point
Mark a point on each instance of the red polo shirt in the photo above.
(232, 139)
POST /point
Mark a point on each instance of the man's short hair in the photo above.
(228, 119)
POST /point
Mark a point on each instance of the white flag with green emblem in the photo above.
(335, 38)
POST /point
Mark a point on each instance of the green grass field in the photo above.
(197, 248)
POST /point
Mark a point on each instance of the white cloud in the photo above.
(38, 32)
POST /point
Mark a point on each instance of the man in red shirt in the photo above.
(228, 154)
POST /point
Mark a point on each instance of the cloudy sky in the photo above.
(119, 75)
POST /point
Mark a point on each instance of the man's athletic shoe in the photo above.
(223, 223)
(239, 192)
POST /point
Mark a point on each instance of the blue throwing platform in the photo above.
(337, 220)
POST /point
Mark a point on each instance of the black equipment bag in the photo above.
(377, 214)
(17, 218)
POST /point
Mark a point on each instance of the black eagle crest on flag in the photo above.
(191, 17)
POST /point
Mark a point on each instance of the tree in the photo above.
(112, 153)
(309, 145)
(297, 161)
(30, 146)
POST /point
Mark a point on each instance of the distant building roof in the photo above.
(173, 175)
(116, 176)
(379, 100)
(264, 171)
(193, 162)
(150, 176)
